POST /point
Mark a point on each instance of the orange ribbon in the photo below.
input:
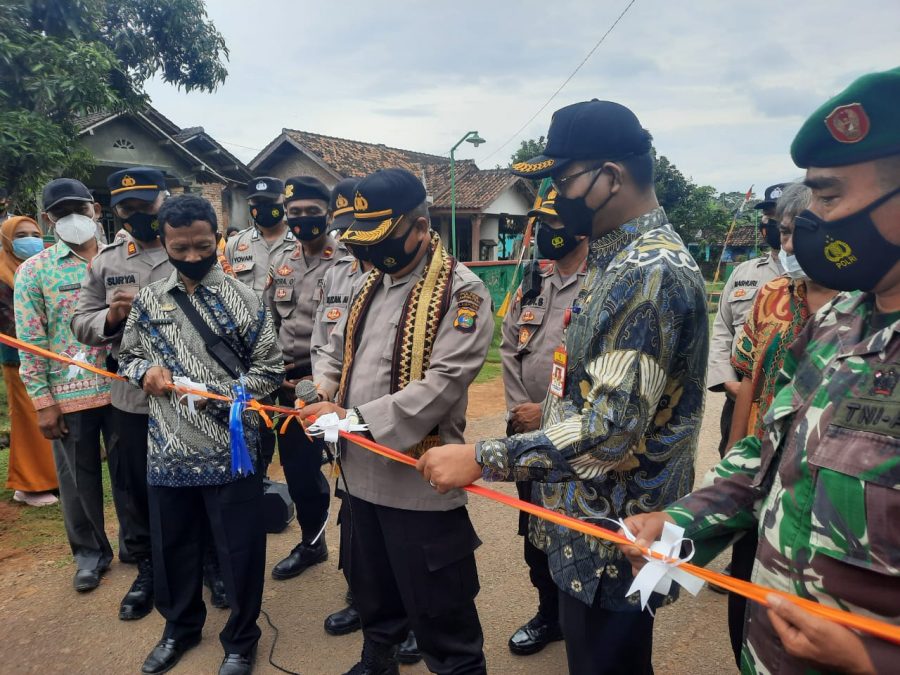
(746, 589)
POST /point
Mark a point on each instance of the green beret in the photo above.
(860, 124)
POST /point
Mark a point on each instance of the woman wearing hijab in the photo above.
(31, 473)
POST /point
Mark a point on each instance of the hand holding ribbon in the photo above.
(330, 426)
(659, 573)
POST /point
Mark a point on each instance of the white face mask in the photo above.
(76, 228)
(790, 265)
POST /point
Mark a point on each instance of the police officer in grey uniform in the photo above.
(113, 279)
(416, 335)
(337, 287)
(250, 251)
(734, 305)
(337, 284)
(532, 331)
(292, 293)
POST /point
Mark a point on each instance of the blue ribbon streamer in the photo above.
(241, 463)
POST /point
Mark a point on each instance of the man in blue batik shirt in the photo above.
(620, 423)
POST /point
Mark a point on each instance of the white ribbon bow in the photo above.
(188, 383)
(329, 427)
(658, 575)
(73, 371)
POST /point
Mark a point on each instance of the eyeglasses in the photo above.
(559, 184)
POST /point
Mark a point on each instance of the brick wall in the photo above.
(213, 193)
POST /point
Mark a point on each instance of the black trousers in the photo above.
(603, 642)
(725, 424)
(178, 518)
(538, 564)
(416, 570)
(80, 473)
(127, 458)
(301, 459)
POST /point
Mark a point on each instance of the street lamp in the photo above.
(476, 140)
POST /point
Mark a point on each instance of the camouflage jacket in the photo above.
(622, 438)
(823, 485)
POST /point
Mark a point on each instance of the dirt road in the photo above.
(45, 627)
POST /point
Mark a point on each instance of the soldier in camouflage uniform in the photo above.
(823, 486)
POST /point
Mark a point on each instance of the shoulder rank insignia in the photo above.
(465, 320)
(468, 300)
(285, 270)
(333, 314)
(297, 254)
(132, 248)
(243, 247)
(884, 382)
(328, 253)
(527, 316)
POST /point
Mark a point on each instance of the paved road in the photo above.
(45, 627)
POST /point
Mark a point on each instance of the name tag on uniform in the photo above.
(558, 374)
(69, 287)
(132, 289)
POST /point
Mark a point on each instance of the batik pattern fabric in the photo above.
(778, 315)
(622, 438)
(822, 486)
(47, 289)
(193, 448)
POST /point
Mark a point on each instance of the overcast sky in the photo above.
(723, 86)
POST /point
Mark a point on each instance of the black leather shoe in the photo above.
(138, 601)
(534, 636)
(238, 664)
(343, 622)
(87, 580)
(212, 579)
(408, 652)
(377, 659)
(302, 557)
(166, 654)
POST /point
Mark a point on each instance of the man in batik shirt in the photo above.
(620, 424)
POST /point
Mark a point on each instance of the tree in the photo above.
(61, 59)
(528, 149)
(698, 213)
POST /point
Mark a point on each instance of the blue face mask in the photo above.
(25, 247)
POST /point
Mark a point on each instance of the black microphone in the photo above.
(306, 391)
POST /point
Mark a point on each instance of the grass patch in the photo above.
(36, 529)
(492, 368)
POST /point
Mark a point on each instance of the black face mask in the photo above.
(848, 254)
(554, 244)
(144, 226)
(577, 217)
(390, 255)
(307, 228)
(773, 235)
(267, 214)
(194, 269)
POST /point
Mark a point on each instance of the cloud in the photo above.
(722, 87)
